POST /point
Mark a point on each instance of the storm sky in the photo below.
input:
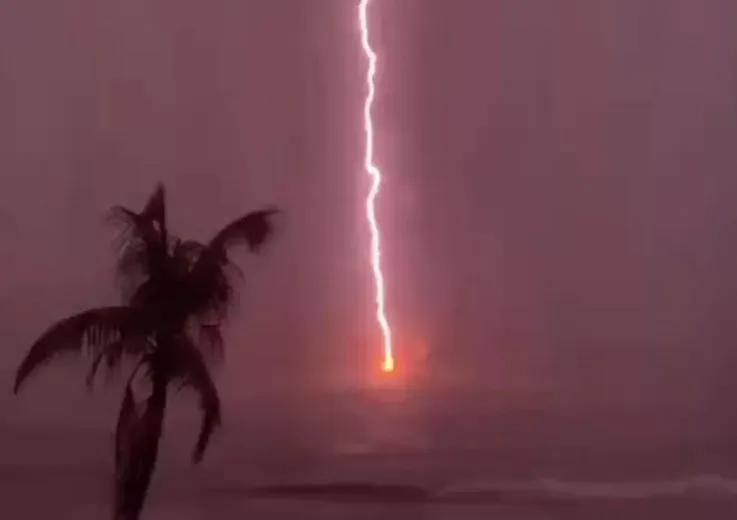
(558, 210)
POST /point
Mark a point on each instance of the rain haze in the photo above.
(557, 215)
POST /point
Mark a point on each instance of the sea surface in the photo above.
(416, 458)
(80, 498)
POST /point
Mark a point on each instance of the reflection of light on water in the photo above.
(397, 434)
(408, 372)
(389, 416)
(387, 410)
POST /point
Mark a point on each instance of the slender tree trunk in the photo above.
(136, 469)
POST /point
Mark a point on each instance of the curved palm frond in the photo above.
(155, 208)
(143, 241)
(132, 266)
(95, 329)
(191, 370)
(253, 230)
(136, 228)
(113, 355)
(211, 342)
(153, 213)
(187, 252)
(139, 250)
(210, 286)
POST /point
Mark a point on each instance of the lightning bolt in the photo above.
(373, 170)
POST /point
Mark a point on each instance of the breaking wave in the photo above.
(542, 490)
(693, 486)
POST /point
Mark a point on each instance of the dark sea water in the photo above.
(354, 457)
(82, 498)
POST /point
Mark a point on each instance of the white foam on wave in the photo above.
(697, 486)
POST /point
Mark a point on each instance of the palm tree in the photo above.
(176, 295)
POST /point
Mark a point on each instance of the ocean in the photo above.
(355, 458)
(697, 497)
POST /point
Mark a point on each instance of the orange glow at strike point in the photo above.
(373, 170)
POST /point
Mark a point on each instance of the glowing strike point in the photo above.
(388, 364)
(375, 173)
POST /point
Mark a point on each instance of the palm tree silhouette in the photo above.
(176, 295)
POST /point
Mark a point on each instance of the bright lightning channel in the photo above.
(373, 170)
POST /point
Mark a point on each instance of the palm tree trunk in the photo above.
(136, 469)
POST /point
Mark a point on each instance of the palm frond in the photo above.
(143, 242)
(133, 266)
(253, 230)
(134, 227)
(139, 249)
(209, 288)
(155, 208)
(113, 355)
(153, 214)
(192, 371)
(94, 330)
(188, 251)
(210, 341)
